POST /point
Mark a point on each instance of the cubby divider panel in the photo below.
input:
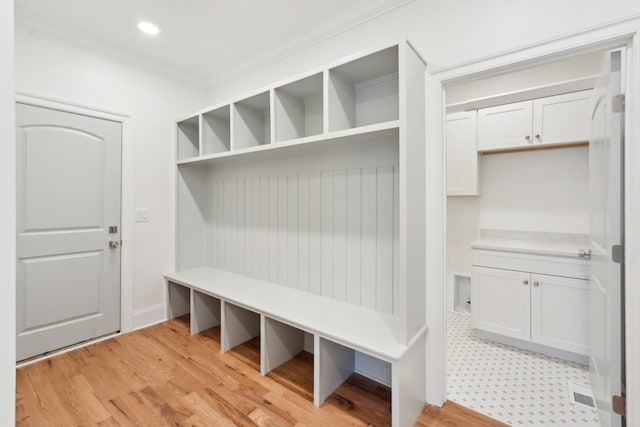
(252, 121)
(205, 312)
(299, 108)
(178, 300)
(188, 138)
(365, 91)
(216, 131)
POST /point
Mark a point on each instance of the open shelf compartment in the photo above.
(357, 381)
(299, 109)
(287, 356)
(205, 312)
(216, 131)
(241, 333)
(188, 138)
(364, 91)
(252, 121)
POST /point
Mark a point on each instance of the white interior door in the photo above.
(69, 184)
(606, 183)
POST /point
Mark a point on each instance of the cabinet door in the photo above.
(559, 312)
(500, 301)
(462, 154)
(561, 119)
(505, 126)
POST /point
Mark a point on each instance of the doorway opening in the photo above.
(518, 241)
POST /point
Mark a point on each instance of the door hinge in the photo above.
(619, 405)
(618, 103)
(617, 254)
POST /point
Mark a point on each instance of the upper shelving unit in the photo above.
(252, 121)
(358, 96)
(364, 91)
(188, 138)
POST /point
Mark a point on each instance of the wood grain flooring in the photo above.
(162, 376)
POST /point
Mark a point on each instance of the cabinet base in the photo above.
(538, 348)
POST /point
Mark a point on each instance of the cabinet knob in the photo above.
(536, 284)
(537, 136)
(525, 282)
(527, 137)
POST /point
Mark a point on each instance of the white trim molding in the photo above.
(149, 316)
(127, 220)
(620, 33)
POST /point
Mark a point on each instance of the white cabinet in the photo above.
(512, 297)
(462, 154)
(505, 126)
(500, 302)
(560, 119)
(559, 312)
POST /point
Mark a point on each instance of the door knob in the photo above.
(114, 244)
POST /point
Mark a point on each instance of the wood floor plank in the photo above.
(162, 376)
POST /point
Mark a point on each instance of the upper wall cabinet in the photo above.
(561, 119)
(462, 155)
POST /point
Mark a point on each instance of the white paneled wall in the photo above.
(331, 232)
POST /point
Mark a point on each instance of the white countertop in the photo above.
(531, 242)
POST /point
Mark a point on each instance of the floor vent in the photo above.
(581, 394)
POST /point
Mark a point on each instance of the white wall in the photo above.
(48, 68)
(7, 217)
(445, 32)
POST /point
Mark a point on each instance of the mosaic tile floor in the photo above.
(515, 386)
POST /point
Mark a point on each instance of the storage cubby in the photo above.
(287, 356)
(241, 333)
(178, 300)
(252, 121)
(188, 138)
(216, 131)
(365, 91)
(205, 312)
(299, 109)
(347, 382)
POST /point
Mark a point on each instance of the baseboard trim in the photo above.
(149, 316)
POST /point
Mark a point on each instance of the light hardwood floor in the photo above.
(161, 376)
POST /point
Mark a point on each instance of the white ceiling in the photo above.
(200, 40)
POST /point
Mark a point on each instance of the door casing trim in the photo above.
(127, 171)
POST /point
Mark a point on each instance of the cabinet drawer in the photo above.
(555, 266)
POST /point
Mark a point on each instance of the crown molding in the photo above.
(356, 15)
(42, 28)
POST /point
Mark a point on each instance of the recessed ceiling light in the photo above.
(148, 28)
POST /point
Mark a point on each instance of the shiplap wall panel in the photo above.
(331, 232)
(314, 233)
(340, 235)
(292, 263)
(368, 238)
(354, 242)
(384, 246)
(326, 233)
(303, 231)
(272, 252)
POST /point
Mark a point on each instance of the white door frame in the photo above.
(127, 216)
(625, 32)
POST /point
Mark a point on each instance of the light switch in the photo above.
(143, 215)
